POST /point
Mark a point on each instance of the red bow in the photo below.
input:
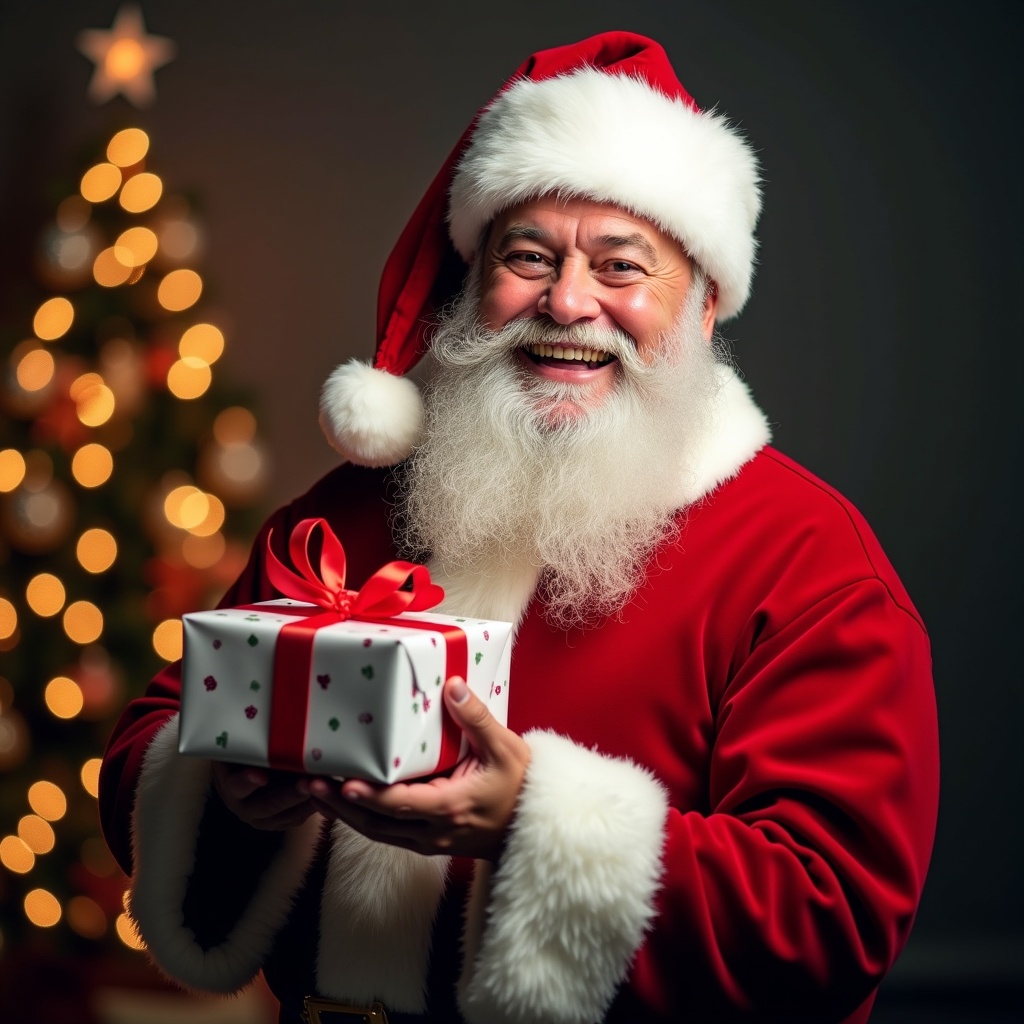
(384, 594)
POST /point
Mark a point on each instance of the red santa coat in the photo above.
(728, 813)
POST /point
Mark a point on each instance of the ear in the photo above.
(707, 320)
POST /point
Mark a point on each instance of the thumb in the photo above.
(471, 715)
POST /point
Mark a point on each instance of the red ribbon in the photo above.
(395, 588)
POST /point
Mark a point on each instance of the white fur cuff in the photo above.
(169, 803)
(550, 935)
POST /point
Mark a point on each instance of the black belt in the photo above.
(324, 1011)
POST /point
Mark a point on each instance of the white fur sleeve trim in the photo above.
(169, 803)
(552, 930)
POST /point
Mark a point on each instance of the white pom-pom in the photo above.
(372, 417)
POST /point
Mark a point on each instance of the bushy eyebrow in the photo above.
(521, 233)
(633, 241)
(526, 233)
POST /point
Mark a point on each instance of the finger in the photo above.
(472, 715)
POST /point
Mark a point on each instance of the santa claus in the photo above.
(715, 798)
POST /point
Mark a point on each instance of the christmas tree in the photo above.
(129, 477)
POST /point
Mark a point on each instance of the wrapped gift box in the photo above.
(367, 702)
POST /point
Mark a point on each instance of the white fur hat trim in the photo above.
(615, 138)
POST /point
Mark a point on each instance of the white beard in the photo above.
(501, 481)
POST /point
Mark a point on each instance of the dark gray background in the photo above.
(883, 336)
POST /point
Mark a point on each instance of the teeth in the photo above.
(581, 355)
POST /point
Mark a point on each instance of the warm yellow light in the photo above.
(92, 465)
(83, 622)
(95, 404)
(37, 834)
(63, 697)
(213, 520)
(108, 270)
(99, 183)
(35, 369)
(202, 552)
(179, 290)
(96, 550)
(203, 341)
(128, 146)
(167, 639)
(45, 594)
(86, 917)
(12, 469)
(174, 506)
(53, 318)
(47, 800)
(188, 378)
(123, 62)
(141, 192)
(16, 856)
(90, 776)
(135, 247)
(42, 908)
(128, 933)
(8, 619)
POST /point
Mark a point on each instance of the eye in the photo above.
(622, 267)
(527, 263)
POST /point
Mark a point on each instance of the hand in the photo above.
(465, 814)
(262, 799)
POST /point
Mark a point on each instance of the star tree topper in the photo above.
(125, 58)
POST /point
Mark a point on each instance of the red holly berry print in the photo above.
(487, 636)
(367, 642)
(317, 753)
(365, 718)
(324, 680)
(250, 711)
(210, 683)
(216, 645)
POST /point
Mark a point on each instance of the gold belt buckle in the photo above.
(314, 1007)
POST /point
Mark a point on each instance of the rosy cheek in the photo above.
(507, 299)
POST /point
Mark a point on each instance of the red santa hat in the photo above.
(605, 118)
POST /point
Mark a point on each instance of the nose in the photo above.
(571, 296)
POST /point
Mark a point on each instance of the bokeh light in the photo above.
(92, 465)
(189, 378)
(16, 856)
(42, 908)
(72, 214)
(141, 192)
(129, 145)
(213, 520)
(53, 319)
(95, 401)
(90, 776)
(167, 639)
(135, 247)
(12, 469)
(8, 619)
(128, 933)
(45, 594)
(202, 341)
(63, 697)
(96, 550)
(108, 270)
(47, 800)
(179, 289)
(100, 182)
(35, 369)
(83, 622)
(37, 834)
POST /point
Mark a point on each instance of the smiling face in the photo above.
(578, 262)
